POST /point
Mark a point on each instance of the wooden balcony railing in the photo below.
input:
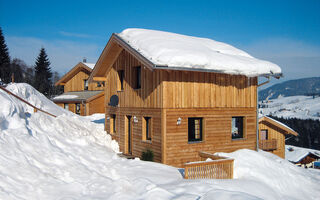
(219, 168)
(268, 145)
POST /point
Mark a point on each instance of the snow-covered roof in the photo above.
(76, 95)
(296, 154)
(90, 65)
(65, 96)
(183, 52)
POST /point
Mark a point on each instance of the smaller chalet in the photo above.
(272, 135)
(80, 96)
(303, 157)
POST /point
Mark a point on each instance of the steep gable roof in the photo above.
(164, 50)
(278, 124)
(85, 67)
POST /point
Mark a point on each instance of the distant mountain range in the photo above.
(304, 86)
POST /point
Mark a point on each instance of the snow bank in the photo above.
(31, 95)
(274, 172)
(181, 51)
(70, 157)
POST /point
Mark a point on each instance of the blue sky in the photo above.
(284, 32)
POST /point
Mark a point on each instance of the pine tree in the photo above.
(5, 72)
(43, 73)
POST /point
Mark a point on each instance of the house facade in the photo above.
(174, 111)
(272, 135)
(80, 96)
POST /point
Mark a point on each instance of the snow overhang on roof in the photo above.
(164, 50)
(181, 52)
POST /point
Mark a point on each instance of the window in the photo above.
(137, 77)
(264, 134)
(120, 80)
(113, 124)
(99, 84)
(66, 106)
(146, 128)
(194, 129)
(78, 108)
(237, 128)
(86, 84)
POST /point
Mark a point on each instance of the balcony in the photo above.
(268, 145)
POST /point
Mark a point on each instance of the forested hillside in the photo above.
(308, 129)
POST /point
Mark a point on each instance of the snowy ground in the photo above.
(70, 157)
(301, 107)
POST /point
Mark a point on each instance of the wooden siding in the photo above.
(138, 144)
(216, 133)
(187, 89)
(146, 97)
(76, 83)
(274, 132)
(96, 106)
(178, 89)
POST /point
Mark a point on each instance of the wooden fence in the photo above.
(24, 101)
(218, 168)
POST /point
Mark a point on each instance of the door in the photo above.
(264, 134)
(129, 135)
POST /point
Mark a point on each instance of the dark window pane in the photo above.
(194, 129)
(86, 84)
(148, 128)
(138, 86)
(237, 127)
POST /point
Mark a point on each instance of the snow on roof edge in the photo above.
(279, 123)
(180, 52)
(90, 65)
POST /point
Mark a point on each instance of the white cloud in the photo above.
(63, 54)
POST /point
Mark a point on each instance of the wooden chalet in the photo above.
(272, 135)
(80, 96)
(303, 157)
(175, 112)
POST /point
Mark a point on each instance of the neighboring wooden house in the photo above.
(80, 96)
(175, 111)
(303, 157)
(272, 135)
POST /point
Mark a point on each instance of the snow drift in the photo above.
(70, 157)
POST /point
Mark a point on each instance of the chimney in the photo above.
(84, 60)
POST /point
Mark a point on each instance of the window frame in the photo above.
(137, 78)
(85, 84)
(147, 128)
(192, 129)
(267, 134)
(66, 106)
(121, 75)
(113, 123)
(242, 126)
(76, 110)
